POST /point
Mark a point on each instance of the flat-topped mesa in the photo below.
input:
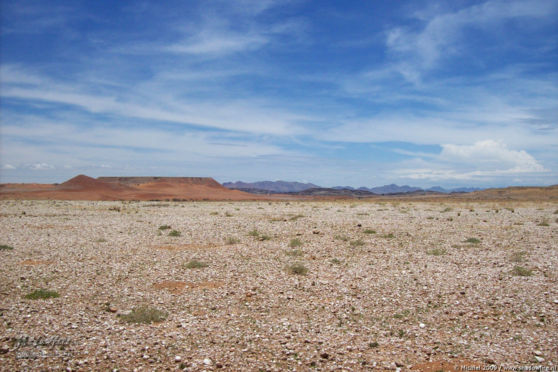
(136, 181)
(83, 182)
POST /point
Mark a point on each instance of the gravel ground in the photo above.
(371, 285)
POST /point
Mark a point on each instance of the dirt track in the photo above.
(414, 293)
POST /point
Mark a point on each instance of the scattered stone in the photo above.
(177, 359)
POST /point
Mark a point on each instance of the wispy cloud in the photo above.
(442, 35)
(275, 89)
(233, 115)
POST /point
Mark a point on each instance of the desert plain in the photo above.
(278, 285)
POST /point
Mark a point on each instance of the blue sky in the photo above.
(359, 93)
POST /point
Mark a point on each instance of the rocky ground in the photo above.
(365, 285)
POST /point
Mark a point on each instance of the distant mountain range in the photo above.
(275, 187)
(269, 187)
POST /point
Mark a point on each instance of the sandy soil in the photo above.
(389, 286)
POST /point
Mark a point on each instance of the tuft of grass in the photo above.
(228, 214)
(295, 243)
(295, 253)
(373, 344)
(101, 240)
(175, 233)
(437, 252)
(164, 227)
(341, 237)
(543, 223)
(5, 247)
(144, 315)
(335, 261)
(255, 233)
(369, 231)
(556, 211)
(298, 269)
(294, 218)
(521, 271)
(195, 264)
(518, 257)
(357, 243)
(232, 240)
(448, 209)
(214, 213)
(264, 237)
(472, 241)
(389, 236)
(41, 294)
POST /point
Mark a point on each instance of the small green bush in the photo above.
(437, 252)
(342, 238)
(41, 294)
(254, 233)
(195, 264)
(298, 269)
(294, 218)
(472, 241)
(369, 231)
(389, 236)
(144, 315)
(335, 261)
(164, 227)
(295, 243)
(5, 247)
(521, 271)
(175, 233)
(357, 243)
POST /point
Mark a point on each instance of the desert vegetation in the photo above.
(341, 286)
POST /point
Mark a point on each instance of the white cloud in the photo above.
(218, 43)
(159, 103)
(115, 146)
(493, 154)
(41, 166)
(8, 167)
(479, 161)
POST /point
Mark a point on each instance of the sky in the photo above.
(353, 93)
